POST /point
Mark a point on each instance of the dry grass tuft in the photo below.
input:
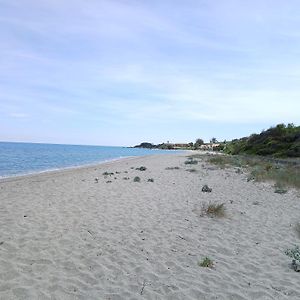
(213, 210)
(283, 172)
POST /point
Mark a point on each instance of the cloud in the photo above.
(138, 62)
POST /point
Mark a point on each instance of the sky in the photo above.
(122, 72)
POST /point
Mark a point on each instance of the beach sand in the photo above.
(65, 236)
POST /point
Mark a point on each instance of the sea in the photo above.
(29, 158)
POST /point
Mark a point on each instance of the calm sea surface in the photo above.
(27, 158)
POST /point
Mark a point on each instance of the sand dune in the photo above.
(65, 236)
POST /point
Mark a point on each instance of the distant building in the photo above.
(183, 145)
(209, 146)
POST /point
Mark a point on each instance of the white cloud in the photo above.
(136, 61)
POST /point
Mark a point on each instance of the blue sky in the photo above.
(123, 72)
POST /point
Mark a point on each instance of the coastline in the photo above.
(64, 235)
(59, 170)
(70, 168)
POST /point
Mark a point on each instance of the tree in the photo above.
(213, 140)
(198, 143)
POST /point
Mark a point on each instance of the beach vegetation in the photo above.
(107, 173)
(279, 189)
(172, 168)
(137, 179)
(206, 262)
(150, 180)
(198, 143)
(142, 168)
(213, 210)
(192, 170)
(294, 253)
(278, 141)
(283, 172)
(206, 189)
(191, 161)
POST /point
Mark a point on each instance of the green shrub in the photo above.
(191, 162)
(279, 141)
(136, 179)
(294, 253)
(206, 263)
(279, 189)
(142, 168)
(107, 173)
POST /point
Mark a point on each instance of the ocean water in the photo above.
(28, 158)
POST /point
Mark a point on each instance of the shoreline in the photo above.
(65, 235)
(59, 170)
(78, 167)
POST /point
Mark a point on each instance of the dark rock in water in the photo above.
(206, 189)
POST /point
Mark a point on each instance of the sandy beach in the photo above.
(65, 235)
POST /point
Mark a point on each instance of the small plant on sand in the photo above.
(126, 178)
(213, 210)
(206, 262)
(192, 170)
(142, 168)
(107, 174)
(172, 168)
(150, 180)
(206, 189)
(219, 160)
(191, 161)
(279, 189)
(137, 179)
(295, 255)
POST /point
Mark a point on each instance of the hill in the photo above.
(279, 141)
